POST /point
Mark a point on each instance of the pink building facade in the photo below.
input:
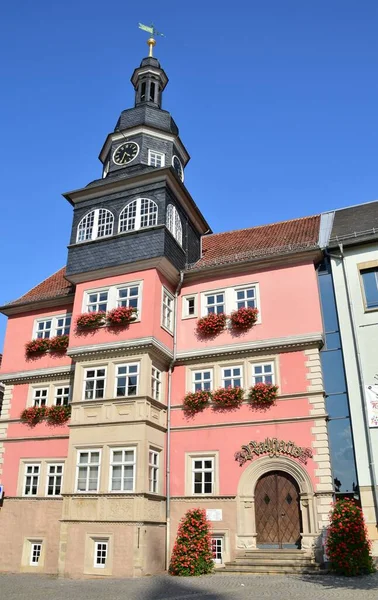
(102, 493)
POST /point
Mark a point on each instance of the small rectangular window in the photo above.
(97, 301)
(217, 549)
(167, 310)
(128, 296)
(189, 305)
(32, 473)
(203, 475)
(62, 396)
(48, 328)
(263, 373)
(155, 383)
(100, 553)
(122, 470)
(370, 282)
(88, 470)
(94, 383)
(35, 553)
(202, 380)
(40, 396)
(153, 471)
(156, 159)
(215, 303)
(54, 479)
(44, 329)
(63, 325)
(246, 297)
(127, 380)
(232, 377)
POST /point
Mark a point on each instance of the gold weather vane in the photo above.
(153, 31)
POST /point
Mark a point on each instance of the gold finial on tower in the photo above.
(151, 41)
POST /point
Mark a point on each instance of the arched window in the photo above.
(98, 223)
(139, 213)
(174, 223)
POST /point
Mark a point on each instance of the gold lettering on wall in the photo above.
(273, 447)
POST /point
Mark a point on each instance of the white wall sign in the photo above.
(214, 514)
(371, 393)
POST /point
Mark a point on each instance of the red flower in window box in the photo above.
(34, 415)
(263, 395)
(59, 344)
(230, 397)
(37, 347)
(91, 320)
(244, 318)
(123, 315)
(58, 415)
(195, 402)
(211, 324)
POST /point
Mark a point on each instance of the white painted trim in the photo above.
(134, 463)
(126, 364)
(112, 295)
(161, 154)
(54, 324)
(94, 235)
(89, 450)
(164, 291)
(184, 306)
(104, 379)
(138, 215)
(127, 141)
(114, 346)
(101, 541)
(49, 464)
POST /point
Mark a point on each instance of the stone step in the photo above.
(273, 561)
(269, 569)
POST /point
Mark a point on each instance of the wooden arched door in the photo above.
(278, 515)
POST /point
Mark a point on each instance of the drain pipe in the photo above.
(168, 455)
(356, 348)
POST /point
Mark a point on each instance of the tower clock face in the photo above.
(177, 165)
(125, 153)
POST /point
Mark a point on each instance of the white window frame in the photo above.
(96, 225)
(262, 375)
(152, 155)
(230, 298)
(53, 331)
(36, 399)
(185, 306)
(33, 544)
(113, 300)
(127, 375)
(245, 301)
(153, 470)
(216, 303)
(173, 223)
(36, 474)
(202, 380)
(203, 470)
(232, 376)
(62, 396)
(122, 464)
(95, 379)
(54, 476)
(218, 538)
(138, 215)
(156, 383)
(97, 543)
(88, 464)
(89, 304)
(164, 308)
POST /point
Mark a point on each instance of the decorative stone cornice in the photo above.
(40, 374)
(291, 343)
(114, 348)
(36, 438)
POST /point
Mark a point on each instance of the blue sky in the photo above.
(276, 102)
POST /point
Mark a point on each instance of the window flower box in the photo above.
(262, 395)
(91, 320)
(59, 344)
(244, 318)
(230, 397)
(211, 324)
(37, 347)
(58, 415)
(195, 402)
(121, 316)
(34, 415)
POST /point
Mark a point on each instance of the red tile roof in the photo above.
(259, 242)
(52, 287)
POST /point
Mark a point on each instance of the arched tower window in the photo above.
(138, 214)
(174, 223)
(98, 223)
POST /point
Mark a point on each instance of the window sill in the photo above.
(167, 330)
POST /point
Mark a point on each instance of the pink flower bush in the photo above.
(91, 320)
(230, 397)
(58, 415)
(122, 315)
(33, 415)
(59, 344)
(37, 347)
(262, 395)
(244, 318)
(211, 324)
(195, 402)
(192, 554)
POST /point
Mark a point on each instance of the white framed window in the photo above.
(202, 475)
(167, 310)
(232, 376)
(35, 553)
(101, 548)
(156, 383)
(229, 299)
(122, 469)
(138, 214)
(40, 396)
(62, 395)
(94, 383)
(215, 303)
(173, 223)
(128, 295)
(52, 326)
(189, 306)
(217, 543)
(153, 471)
(246, 297)
(87, 470)
(127, 380)
(31, 479)
(156, 159)
(263, 373)
(202, 380)
(96, 224)
(54, 480)
(97, 301)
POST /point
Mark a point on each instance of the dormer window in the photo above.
(96, 224)
(138, 214)
(174, 223)
(156, 159)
